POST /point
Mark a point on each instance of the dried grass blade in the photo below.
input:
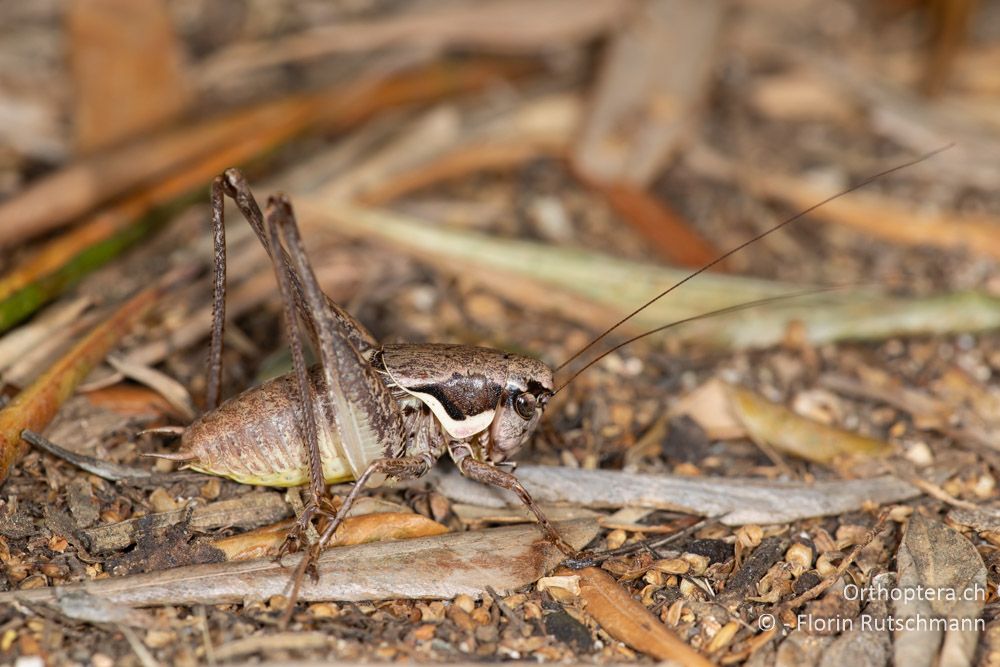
(507, 26)
(28, 288)
(72, 191)
(35, 407)
(442, 145)
(872, 214)
(617, 285)
(228, 141)
(18, 343)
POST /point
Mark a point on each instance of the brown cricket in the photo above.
(369, 410)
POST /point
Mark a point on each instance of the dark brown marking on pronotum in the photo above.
(370, 410)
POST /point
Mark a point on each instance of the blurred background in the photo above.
(662, 132)
(636, 102)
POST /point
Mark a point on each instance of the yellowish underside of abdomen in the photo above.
(295, 471)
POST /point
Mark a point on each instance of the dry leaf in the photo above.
(170, 389)
(127, 70)
(131, 400)
(776, 425)
(942, 576)
(628, 621)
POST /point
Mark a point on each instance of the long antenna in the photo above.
(721, 311)
(723, 256)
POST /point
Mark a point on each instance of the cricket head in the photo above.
(526, 392)
(474, 392)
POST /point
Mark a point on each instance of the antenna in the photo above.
(856, 186)
(746, 305)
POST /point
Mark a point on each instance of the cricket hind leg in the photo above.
(213, 392)
(359, 404)
(286, 274)
(367, 417)
(399, 468)
(234, 184)
(487, 474)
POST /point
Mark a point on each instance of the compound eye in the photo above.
(525, 405)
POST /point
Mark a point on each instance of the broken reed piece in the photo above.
(504, 558)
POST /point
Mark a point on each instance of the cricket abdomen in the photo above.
(255, 438)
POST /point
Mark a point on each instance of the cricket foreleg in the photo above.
(487, 474)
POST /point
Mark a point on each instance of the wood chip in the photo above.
(248, 511)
